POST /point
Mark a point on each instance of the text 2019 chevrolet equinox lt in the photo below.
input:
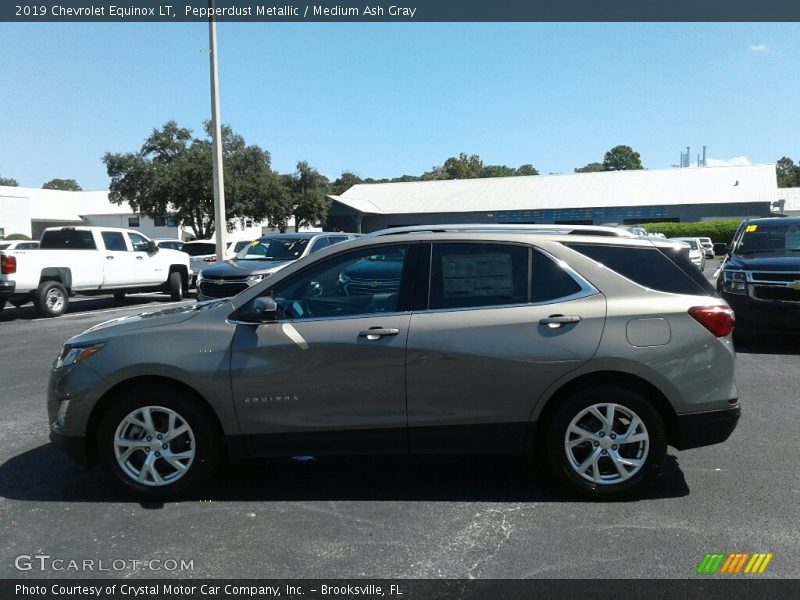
(589, 353)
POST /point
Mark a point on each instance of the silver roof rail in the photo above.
(552, 229)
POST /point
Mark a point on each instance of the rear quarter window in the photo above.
(662, 269)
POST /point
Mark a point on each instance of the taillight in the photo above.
(8, 265)
(719, 320)
(210, 259)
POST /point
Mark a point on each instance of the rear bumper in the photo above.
(704, 429)
(7, 289)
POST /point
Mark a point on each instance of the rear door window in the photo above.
(467, 275)
(114, 241)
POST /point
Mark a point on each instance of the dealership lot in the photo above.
(393, 517)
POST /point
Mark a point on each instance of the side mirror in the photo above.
(151, 246)
(264, 310)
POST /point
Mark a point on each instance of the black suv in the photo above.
(760, 277)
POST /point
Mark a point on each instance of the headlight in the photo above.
(344, 278)
(72, 354)
(734, 282)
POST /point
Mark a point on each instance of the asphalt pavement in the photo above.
(393, 517)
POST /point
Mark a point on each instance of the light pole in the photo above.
(216, 135)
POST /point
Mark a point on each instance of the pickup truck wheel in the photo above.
(605, 441)
(159, 444)
(51, 299)
(175, 286)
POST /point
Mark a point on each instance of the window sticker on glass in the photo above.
(751, 228)
(793, 238)
(477, 275)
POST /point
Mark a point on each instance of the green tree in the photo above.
(788, 173)
(9, 181)
(172, 174)
(67, 185)
(497, 171)
(526, 170)
(309, 195)
(622, 158)
(591, 168)
(344, 182)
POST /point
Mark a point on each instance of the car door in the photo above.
(119, 269)
(150, 268)
(329, 375)
(501, 323)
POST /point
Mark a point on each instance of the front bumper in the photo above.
(695, 430)
(765, 315)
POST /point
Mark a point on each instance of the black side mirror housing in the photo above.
(264, 310)
(151, 246)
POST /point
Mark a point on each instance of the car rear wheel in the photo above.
(605, 442)
(50, 299)
(158, 444)
(175, 286)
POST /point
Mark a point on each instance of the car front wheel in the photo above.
(159, 444)
(605, 442)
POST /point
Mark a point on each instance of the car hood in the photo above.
(773, 261)
(242, 268)
(143, 320)
(379, 269)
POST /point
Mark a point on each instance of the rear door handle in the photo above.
(555, 321)
(376, 333)
(109, 258)
(139, 257)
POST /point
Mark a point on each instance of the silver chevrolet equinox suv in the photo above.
(588, 350)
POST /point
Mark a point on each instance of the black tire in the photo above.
(207, 443)
(50, 299)
(175, 286)
(119, 296)
(2, 305)
(559, 458)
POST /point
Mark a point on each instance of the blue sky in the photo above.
(384, 100)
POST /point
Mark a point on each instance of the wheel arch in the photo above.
(609, 377)
(62, 275)
(147, 382)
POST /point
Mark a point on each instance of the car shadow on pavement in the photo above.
(43, 474)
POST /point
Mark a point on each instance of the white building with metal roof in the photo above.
(642, 196)
(791, 198)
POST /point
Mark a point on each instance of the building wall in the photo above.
(146, 225)
(15, 216)
(627, 215)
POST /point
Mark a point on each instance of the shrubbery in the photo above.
(718, 231)
(16, 236)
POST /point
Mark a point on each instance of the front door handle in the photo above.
(139, 257)
(555, 321)
(109, 258)
(376, 333)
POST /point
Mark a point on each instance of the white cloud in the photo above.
(736, 161)
(758, 47)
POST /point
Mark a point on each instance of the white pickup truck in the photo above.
(89, 261)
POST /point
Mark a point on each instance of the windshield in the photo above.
(199, 249)
(274, 249)
(775, 237)
(4, 246)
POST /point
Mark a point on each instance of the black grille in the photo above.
(776, 276)
(769, 292)
(367, 287)
(223, 290)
